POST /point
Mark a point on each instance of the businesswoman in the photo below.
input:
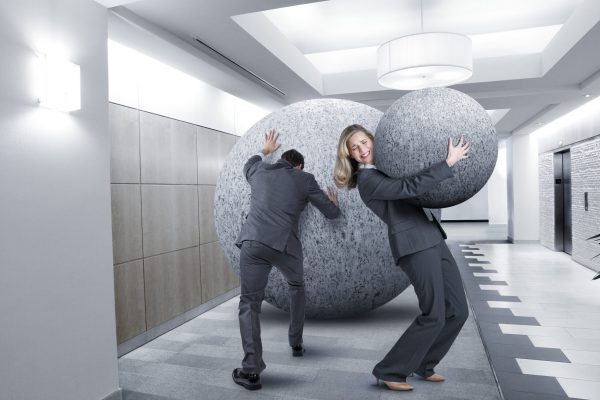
(418, 247)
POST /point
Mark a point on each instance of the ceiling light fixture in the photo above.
(587, 95)
(426, 59)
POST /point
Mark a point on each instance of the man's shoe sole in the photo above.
(245, 384)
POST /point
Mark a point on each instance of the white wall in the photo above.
(523, 188)
(476, 208)
(142, 77)
(578, 125)
(490, 203)
(57, 311)
(147, 84)
(497, 195)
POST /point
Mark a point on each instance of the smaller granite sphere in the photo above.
(348, 265)
(413, 134)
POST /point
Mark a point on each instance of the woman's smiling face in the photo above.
(360, 147)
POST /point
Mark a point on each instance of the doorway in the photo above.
(562, 202)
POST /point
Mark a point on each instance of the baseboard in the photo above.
(181, 319)
(513, 241)
(586, 263)
(464, 220)
(116, 395)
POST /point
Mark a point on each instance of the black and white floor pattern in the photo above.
(538, 313)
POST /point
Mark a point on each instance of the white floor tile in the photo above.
(563, 343)
(491, 287)
(580, 389)
(541, 312)
(535, 331)
(583, 356)
(560, 369)
(515, 306)
(489, 274)
(585, 333)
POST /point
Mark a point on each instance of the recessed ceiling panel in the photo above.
(498, 44)
(343, 24)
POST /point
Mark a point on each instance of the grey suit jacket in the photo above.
(279, 194)
(409, 228)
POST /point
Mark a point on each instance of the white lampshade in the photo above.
(424, 60)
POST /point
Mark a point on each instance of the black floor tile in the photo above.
(502, 338)
(506, 364)
(481, 269)
(529, 383)
(492, 295)
(526, 351)
(516, 395)
(484, 311)
(486, 280)
(474, 260)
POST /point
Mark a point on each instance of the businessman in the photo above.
(269, 237)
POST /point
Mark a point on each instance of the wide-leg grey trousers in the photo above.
(438, 286)
(256, 260)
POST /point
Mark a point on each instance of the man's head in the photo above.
(294, 157)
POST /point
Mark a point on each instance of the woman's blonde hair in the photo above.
(345, 169)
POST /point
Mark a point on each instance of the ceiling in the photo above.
(534, 60)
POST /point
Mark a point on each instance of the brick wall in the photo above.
(585, 177)
(546, 176)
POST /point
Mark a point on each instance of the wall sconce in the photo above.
(59, 83)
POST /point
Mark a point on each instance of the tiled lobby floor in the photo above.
(195, 360)
(536, 310)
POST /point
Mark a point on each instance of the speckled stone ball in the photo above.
(413, 134)
(348, 266)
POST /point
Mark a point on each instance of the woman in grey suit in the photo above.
(418, 247)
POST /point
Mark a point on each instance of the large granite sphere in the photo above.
(348, 266)
(413, 134)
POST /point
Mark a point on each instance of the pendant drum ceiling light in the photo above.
(426, 59)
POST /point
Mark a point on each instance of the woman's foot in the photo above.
(400, 386)
(432, 378)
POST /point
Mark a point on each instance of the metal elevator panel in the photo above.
(558, 202)
(568, 227)
(562, 202)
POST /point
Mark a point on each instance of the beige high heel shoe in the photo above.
(399, 386)
(433, 378)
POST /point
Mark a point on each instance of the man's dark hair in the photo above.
(293, 157)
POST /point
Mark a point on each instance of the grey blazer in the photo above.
(279, 194)
(409, 228)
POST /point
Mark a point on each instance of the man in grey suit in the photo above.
(269, 237)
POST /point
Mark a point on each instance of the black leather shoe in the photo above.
(248, 381)
(298, 351)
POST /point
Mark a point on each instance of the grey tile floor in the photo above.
(195, 360)
(534, 309)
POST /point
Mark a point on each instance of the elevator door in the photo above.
(562, 202)
(568, 235)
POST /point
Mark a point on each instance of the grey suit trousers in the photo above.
(438, 286)
(256, 260)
